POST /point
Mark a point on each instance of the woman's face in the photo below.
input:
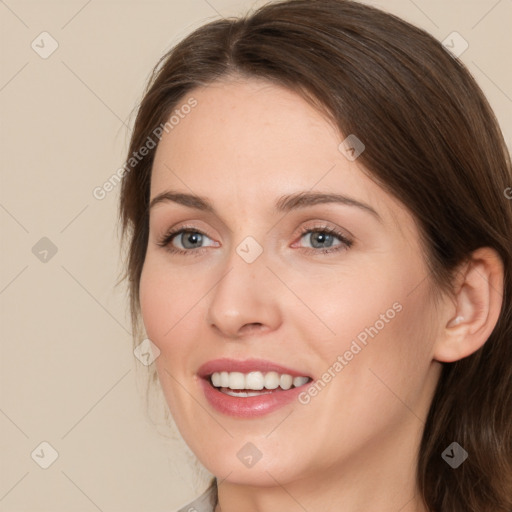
(348, 307)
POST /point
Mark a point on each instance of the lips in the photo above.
(241, 404)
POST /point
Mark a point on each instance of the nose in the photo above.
(244, 301)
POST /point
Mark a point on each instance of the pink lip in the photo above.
(253, 406)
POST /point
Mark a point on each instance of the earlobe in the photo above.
(478, 301)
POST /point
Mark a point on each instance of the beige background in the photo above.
(68, 374)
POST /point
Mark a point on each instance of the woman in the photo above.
(320, 249)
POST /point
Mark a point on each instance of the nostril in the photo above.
(252, 327)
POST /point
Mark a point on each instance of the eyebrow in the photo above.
(283, 204)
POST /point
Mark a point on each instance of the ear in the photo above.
(471, 317)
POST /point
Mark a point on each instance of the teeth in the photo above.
(217, 379)
(245, 394)
(236, 380)
(286, 381)
(256, 381)
(272, 380)
(300, 381)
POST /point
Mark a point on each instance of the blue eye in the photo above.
(321, 238)
(188, 237)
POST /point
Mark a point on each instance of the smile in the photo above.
(255, 381)
(250, 388)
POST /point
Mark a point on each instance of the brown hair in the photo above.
(432, 141)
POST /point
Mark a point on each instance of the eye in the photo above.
(188, 238)
(322, 239)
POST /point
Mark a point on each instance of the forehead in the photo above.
(255, 141)
(247, 124)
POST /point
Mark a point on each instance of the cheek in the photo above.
(380, 317)
(346, 304)
(167, 298)
(153, 296)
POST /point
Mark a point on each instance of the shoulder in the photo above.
(204, 503)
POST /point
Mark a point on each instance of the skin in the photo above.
(354, 446)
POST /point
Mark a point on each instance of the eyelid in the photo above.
(173, 232)
(346, 241)
(329, 227)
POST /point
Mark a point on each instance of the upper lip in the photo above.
(245, 366)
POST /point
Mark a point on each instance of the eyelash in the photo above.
(166, 240)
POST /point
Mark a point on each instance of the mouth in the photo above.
(256, 383)
(250, 388)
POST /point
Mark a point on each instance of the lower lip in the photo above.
(251, 406)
